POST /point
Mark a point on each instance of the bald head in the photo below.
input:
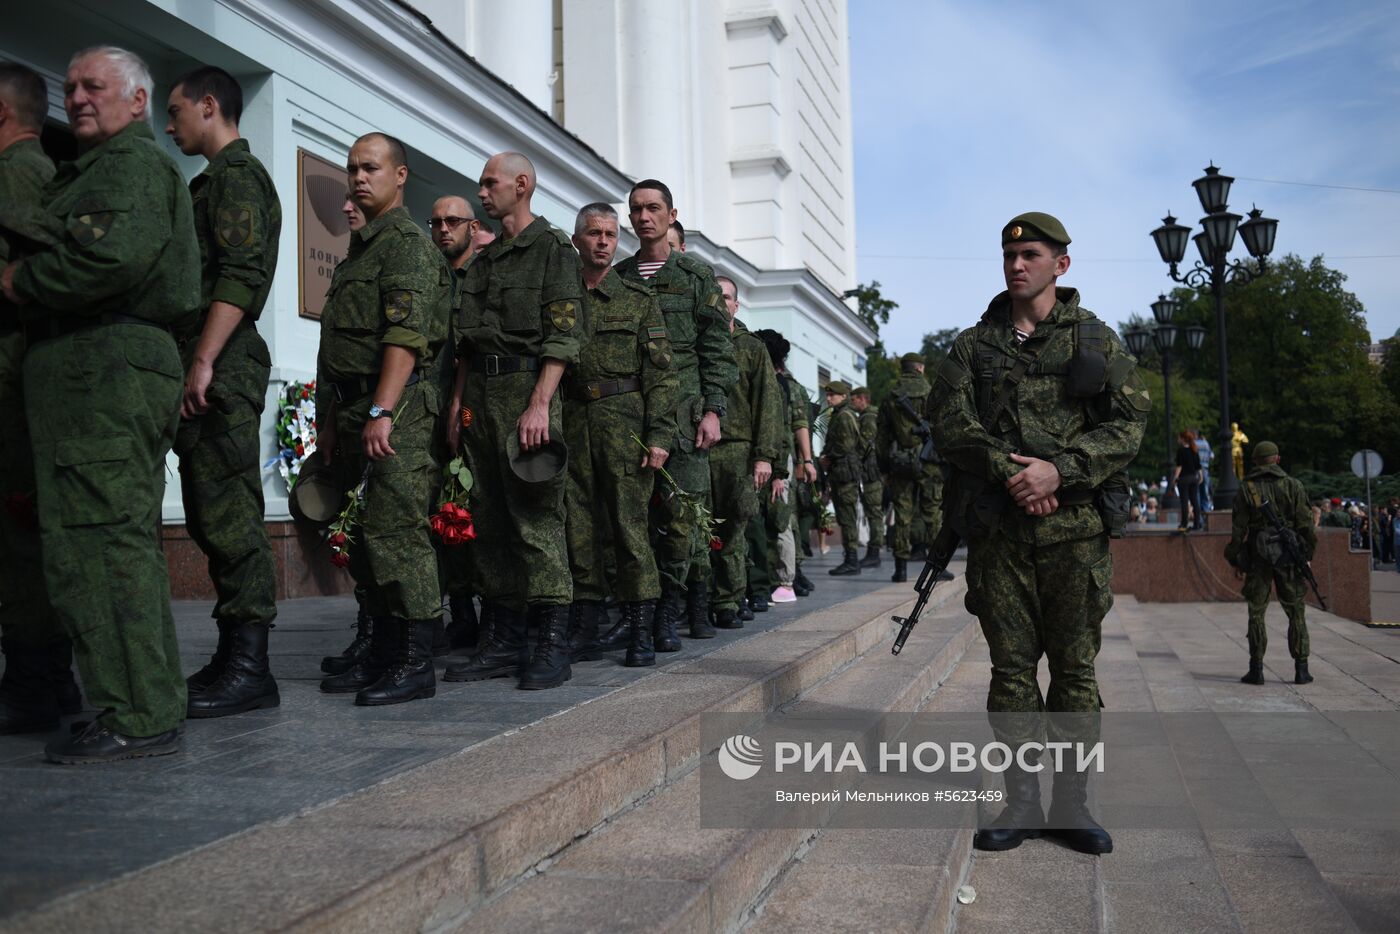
(507, 183)
(398, 156)
(516, 164)
(375, 178)
(451, 225)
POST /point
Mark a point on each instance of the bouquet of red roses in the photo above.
(339, 535)
(452, 523)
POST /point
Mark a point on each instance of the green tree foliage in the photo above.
(935, 347)
(881, 372)
(874, 309)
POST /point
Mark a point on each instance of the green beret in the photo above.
(1032, 226)
(911, 357)
(1264, 450)
(838, 386)
(860, 391)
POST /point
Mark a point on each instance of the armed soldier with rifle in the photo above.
(909, 461)
(1271, 542)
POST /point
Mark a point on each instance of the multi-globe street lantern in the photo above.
(1215, 269)
(1163, 336)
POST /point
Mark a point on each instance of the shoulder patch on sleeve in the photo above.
(951, 373)
(234, 225)
(398, 305)
(1135, 392)
(656, 333)
(563, 315)
(1119, 369)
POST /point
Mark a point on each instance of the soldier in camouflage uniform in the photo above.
(741, 465)
(785, 557)
(916, 486)
(872, 486)
(102, 385)
(703, 358)
(238, 220)
(37, 686)
(384, 322)
(1036, 408)
(622, 390)
(842, 458)
(1255, 553)
(521, 324)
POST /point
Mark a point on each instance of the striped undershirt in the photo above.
(647, 270)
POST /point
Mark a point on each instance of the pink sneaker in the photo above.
(784, 595)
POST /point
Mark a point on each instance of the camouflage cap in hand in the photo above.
(540, 465)
(1032, 226)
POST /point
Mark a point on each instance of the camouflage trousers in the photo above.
(1034, 600)
(103, 403)
(921, 499)
(735, 503)
(527, 562)
(221, 483)
(25, 614)
(391, 551)
(872, 500)
(1290, 587)
(844, 497)
(682, 553)
(607, 498)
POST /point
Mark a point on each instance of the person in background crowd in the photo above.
(1203, 449)
(1186, 477)
(872, 486)
(675, 236)
(841, 457)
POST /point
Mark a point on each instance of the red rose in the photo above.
(340, 559)
(469, 533)
(452, 535)
(337, 539)
(715, 543)
(437, 523)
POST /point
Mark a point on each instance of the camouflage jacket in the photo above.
(843, 445)
(896, 426)
(1039, 419)
(799, 403)
(128, 244)
(238, 220)
(394, 288)
(699, 330)
(624, 335)
(524, 297)
(1289, 499)
(755, 413)
(24, 171)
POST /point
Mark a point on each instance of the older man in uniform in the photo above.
(1036, 407)
(1256, 553)
(38, 683)
(842, 458)
(741, 465)
(622, 391)
(703, 358)
(102, 386)
(238, 220)
(520, 326)
(916, 485)
(385, 320)
(872, 485)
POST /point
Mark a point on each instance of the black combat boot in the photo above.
(207, 675)
(728, 619)
(1300, 671)
(851, 564)
(697, 608)
(501, 648)
(356, 651)
(383, 648)
(437, 630)
(901, 570)
(1021, 819)
(1070, 821)
(1255, 675)
(28, 703)
(800, 580)
(584, 618)
(97, 743)
(758, 602)
(872, 557)
(246, 682)
(638, 617)
(464, 629)
(745, 611)
(617, 636)
(549, 663)
(665, 618)
(411, 676)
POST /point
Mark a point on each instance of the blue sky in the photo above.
(1102, 113)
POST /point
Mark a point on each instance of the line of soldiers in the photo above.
(628, 436)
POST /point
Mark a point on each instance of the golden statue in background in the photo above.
(1238, 440)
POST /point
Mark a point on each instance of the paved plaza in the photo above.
(492, 809)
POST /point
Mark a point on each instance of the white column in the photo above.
(592, 98)
(656, 113)
(515, 40)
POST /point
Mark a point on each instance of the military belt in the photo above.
(592, 392)
(1082, 498)
(348, 390)
(58, 327)
(494, 365)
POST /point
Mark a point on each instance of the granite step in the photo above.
(426, 849)
(655, 868)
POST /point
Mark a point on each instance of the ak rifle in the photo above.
(1288, 539)
(940, 553)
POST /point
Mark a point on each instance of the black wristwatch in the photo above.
(376, 411)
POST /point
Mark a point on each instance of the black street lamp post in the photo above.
(1214, 242)
(1163, 337)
